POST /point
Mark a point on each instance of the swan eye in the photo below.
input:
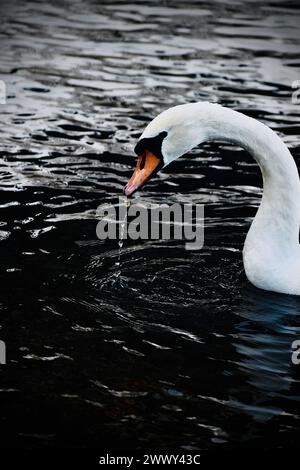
(152, 144)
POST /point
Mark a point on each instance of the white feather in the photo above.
(271, 253)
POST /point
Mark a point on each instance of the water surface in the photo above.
(181, 352)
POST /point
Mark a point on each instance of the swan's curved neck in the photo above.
(279, 213)
(271, 251)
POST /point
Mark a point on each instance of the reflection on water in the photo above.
(270, 323)
(180, 351)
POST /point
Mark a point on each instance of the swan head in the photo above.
(171, 134)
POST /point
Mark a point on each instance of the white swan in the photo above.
(271, 252)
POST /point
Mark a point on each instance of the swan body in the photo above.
(271, 252)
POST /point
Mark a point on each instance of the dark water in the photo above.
(181, 352)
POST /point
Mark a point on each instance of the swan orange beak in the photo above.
(147, 165)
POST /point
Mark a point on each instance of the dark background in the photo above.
(171, 349)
